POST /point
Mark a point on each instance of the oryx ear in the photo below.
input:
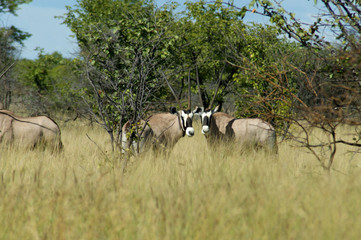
(173, 110)
(198, 110)
(216, 109)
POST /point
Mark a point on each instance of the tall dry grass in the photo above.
(193, 194)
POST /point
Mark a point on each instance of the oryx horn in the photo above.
(189, 91)
(175, 96)
(199, 87)
(6, 69)
(217, 88)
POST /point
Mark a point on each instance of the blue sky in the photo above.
(48, 33)
(37, 18)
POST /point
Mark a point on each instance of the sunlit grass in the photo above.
(194, 194)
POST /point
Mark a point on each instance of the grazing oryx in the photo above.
(29, 132)
(248, 132)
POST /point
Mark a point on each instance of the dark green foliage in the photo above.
(207, 32)
(11, 6)
(10, 38)
(51, 83)
(265, 82)
(125, 46)
(130, 48)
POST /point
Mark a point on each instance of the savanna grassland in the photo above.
(83, 194)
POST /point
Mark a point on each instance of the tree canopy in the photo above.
(10, 38)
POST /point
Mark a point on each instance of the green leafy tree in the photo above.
(325, 70)
(205, 32)
(262, 90)
(215, 47)
(10, 38)
(125, 46)
(11, 6)
(51, 83)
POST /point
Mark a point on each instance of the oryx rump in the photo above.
(30, 131)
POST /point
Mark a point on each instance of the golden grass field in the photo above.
(193, 194)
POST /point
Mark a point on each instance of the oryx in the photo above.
(161, 130)
(29, 131)
(248, 132)
(219, 127)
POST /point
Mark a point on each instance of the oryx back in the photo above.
(29, 131)
(252, 132)
(166, 128)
